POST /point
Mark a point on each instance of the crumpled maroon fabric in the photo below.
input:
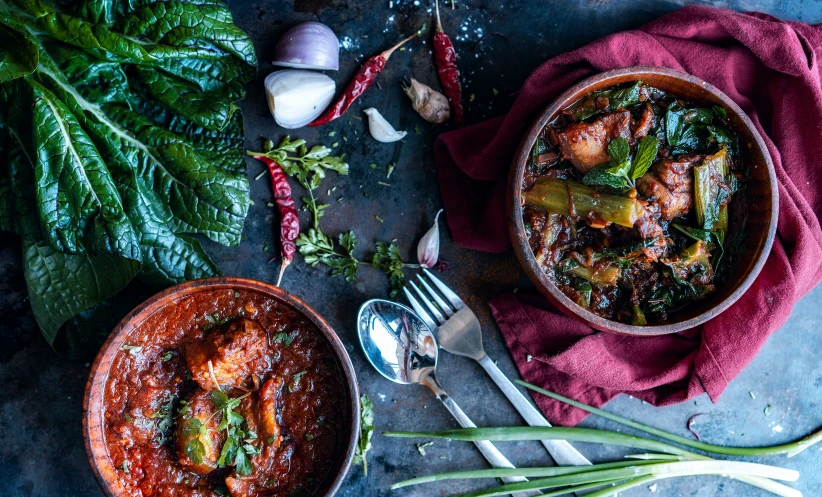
(767, 66)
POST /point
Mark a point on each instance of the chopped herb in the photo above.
(309, 437)
(345, 138)
(752, 395)
(471, 98)
(129, 419)
(269, 204)
(283, 338)
(125, 466)
(421, 447)
(378, 218)
(335, 144)
(236, 295)
(210, 319)
(390, 169)
(495, 91)
(767, 410)
(168, 355)
(366, 432)
(332, 134)
(358, 118)
(417, 130)
(373, 166)
(297, 377)
(271, 439)
(233, 452)
(383, 183)
(265, 247)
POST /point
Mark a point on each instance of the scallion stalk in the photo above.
(575, 199)
(791, 449)
(520, 433)
(526, 472)
(654, 472)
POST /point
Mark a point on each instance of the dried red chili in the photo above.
(365, 76)
(445, 58)
(289, 222)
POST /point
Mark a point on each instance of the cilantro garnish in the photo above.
(366, 432)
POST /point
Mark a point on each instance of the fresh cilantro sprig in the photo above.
(237, 447)
(320, 249)
(366, 432)
(309, 168)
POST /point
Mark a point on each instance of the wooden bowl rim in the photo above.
(516, 225)
(98, 456)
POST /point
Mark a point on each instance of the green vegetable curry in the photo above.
(626, 201)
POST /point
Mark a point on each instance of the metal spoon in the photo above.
(403, 349)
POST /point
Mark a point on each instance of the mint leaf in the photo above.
(600, 176)
(645, 155)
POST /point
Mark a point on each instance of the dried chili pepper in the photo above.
(365, 76)
(289, 222)
(445, 58)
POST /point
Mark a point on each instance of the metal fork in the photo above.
(458, 332)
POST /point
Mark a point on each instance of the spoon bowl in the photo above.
(397, 342)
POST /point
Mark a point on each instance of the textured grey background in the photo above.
(41, 449)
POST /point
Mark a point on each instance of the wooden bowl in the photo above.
(756, 203)
(93, 427)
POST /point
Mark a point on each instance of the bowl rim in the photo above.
(105, 474)
(526, 256)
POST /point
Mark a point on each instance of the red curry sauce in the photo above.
(259, 349)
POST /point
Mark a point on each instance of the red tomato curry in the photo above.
(224, 393)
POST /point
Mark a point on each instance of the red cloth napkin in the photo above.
(767, 66)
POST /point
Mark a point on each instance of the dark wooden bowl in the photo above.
(93, 429)
(756, 203)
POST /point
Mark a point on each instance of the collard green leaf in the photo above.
(122, 139)
(62, 285)
(18, 50)
(79, 206)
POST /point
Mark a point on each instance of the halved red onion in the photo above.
(309, 45)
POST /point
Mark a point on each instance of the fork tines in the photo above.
(433, 310)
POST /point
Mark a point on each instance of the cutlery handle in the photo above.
(488, 450)
(564, 454)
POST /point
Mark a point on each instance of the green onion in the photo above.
(791, 449)
(527, 472)
(520, 433)
(652, 471)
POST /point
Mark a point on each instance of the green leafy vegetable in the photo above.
(600, 176)
(366, 432)
(645, 155)
(619, 98)
(119, 137)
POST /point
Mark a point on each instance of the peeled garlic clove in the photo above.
(380, 129)
(429, 103)
(428, 250)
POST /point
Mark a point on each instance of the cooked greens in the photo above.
(119, 137)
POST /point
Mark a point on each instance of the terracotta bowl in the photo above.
(754, 206)
(93, 428)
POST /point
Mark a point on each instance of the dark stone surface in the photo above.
(41, 446)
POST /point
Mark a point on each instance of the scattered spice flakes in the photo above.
(471, 98)
(378, 218)
(383, 183)
(421, 447)
(332, 134)
(767, 410)
(390, 169)
(335, 144)
(495, 91)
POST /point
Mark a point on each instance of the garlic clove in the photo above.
(428, 250)
(380, 129)
(429, 103)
